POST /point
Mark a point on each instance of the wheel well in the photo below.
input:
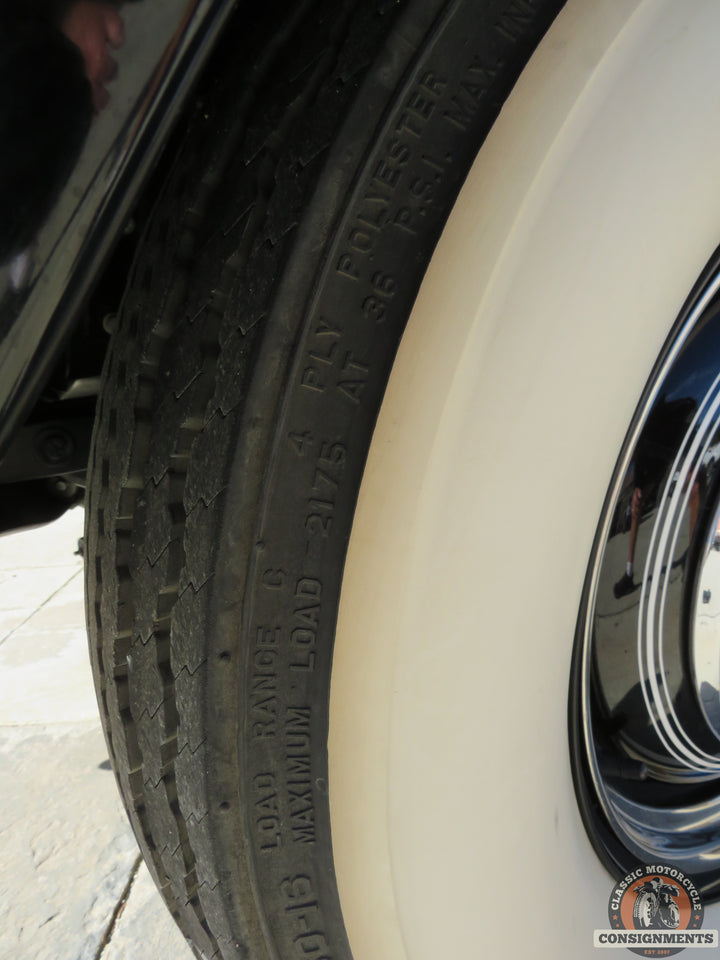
(43, 470)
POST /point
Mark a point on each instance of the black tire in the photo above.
(644, 910)
(254, 343)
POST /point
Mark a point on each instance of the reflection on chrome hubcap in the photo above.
(705, 627)
(645, 691)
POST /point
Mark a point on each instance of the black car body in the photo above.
(62, 278)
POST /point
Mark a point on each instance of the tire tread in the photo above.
(154, 497)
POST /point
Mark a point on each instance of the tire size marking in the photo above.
(303, 912)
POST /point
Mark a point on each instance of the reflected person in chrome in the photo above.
(55, 62)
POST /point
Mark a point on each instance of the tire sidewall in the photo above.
(317, 388)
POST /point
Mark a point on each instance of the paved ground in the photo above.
(72, 886)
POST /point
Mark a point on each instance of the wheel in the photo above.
(644, 910)
(255, 339)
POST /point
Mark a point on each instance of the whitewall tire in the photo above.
(587, 218)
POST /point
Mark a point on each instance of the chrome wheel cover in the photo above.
(645, 693)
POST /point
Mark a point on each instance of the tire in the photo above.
(243, 380)
(644, 910)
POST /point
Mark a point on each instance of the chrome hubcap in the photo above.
(645, 693)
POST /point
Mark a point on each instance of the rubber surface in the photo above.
(242, 385)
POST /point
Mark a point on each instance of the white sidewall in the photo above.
(584, 223)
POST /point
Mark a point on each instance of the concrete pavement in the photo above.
(72, 886)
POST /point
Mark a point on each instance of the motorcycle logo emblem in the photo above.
(655, 911)
(657, 904)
